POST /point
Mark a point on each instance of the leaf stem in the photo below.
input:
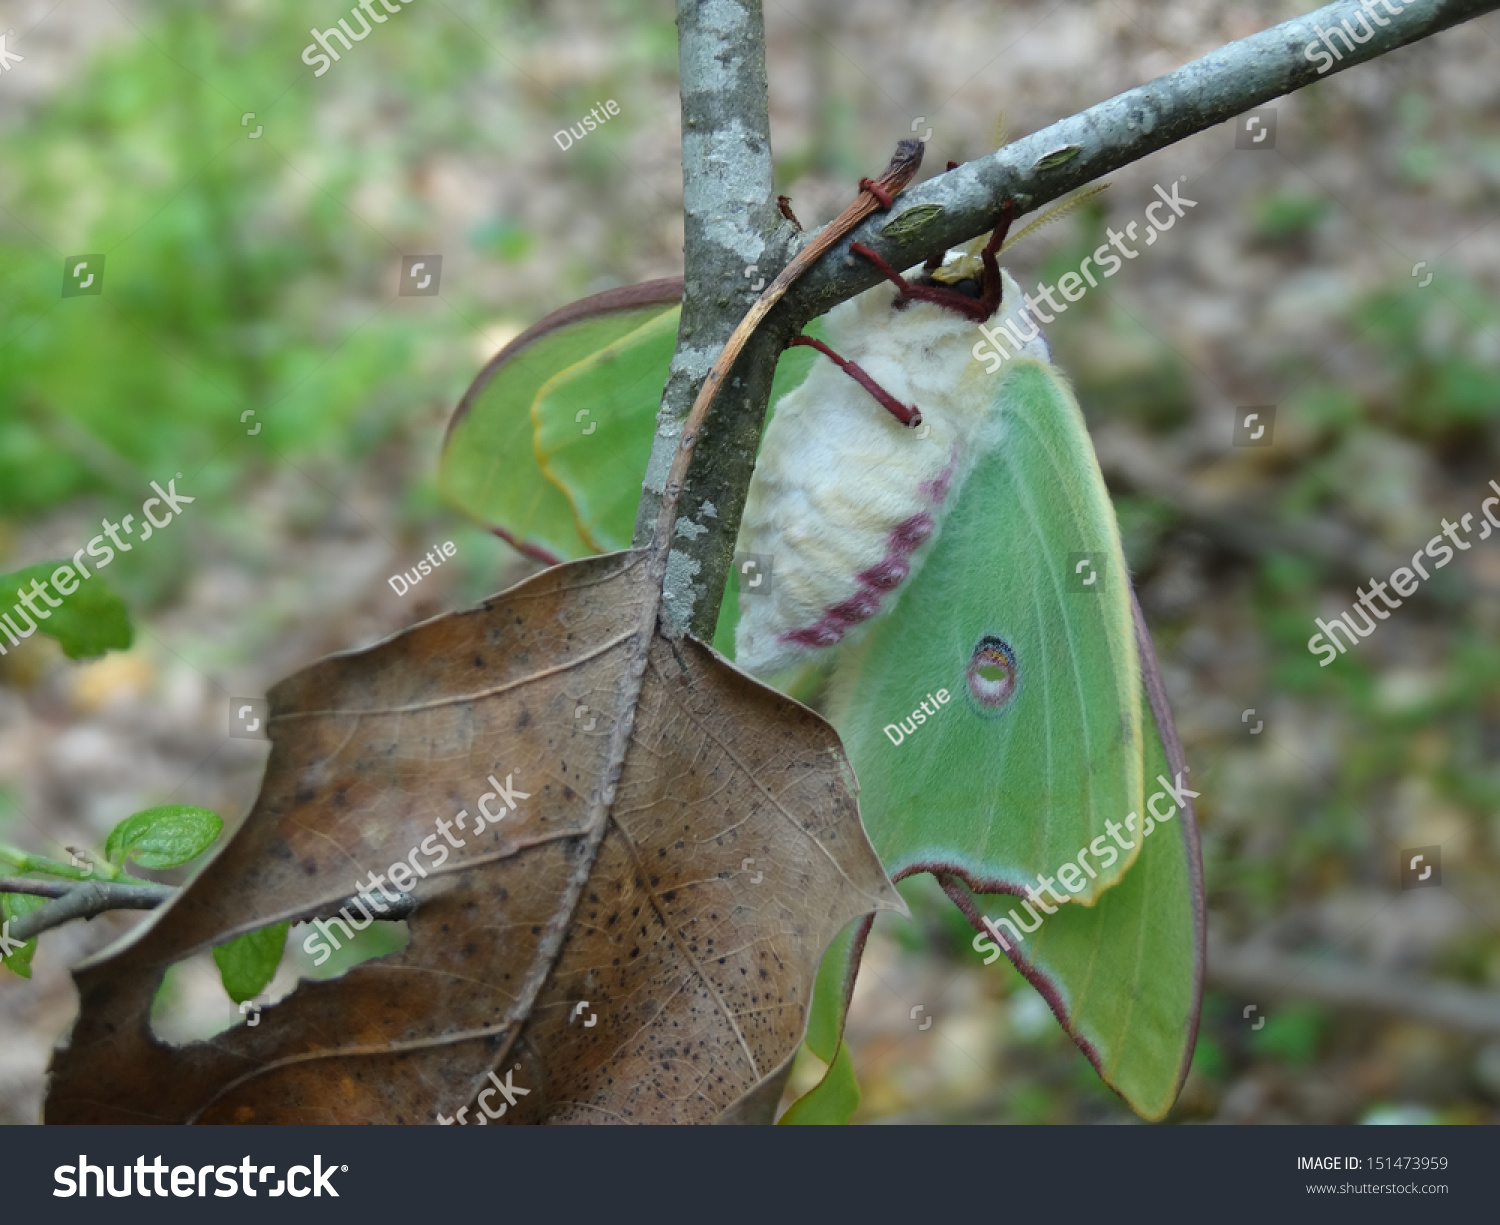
(22, 862)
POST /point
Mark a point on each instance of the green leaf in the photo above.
(163, 837)
(489, 467)
(13, 906)
(90, 621)
(247, 963)
(835, 1098)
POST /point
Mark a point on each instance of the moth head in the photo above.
(941, 302)
(961, 274)
(961, 270)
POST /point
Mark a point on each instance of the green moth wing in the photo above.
(595, 422)
(1054, 724)
(1021, 616)
(1123, 977)
(489, 467)
(548, 447)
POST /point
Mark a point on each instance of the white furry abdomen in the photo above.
(846, 500)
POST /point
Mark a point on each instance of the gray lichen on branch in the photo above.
(731, 223)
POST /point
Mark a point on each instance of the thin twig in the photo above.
(37, 888)
(1259, 973)
(84, 901)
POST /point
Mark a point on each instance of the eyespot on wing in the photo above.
(993, 676)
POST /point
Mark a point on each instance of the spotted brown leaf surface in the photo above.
(683, 846)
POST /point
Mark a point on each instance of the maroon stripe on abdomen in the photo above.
(875, 584)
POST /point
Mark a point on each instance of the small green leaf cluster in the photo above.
(89, 622)
(168, 836)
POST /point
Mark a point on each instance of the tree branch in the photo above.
(75, 901)
(84, 901)
(732, 222)
(36, 888)
(1227, 82)
(1254, 973)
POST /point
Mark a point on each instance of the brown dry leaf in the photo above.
(623, 880)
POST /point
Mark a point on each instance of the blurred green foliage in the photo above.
(1291, 1033)
(1286, 216)
(240, 273)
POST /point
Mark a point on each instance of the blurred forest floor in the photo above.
(259, 273)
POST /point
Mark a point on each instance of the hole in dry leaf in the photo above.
(378, 940)
(191, 1004)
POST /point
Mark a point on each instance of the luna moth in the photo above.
(942, 541)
